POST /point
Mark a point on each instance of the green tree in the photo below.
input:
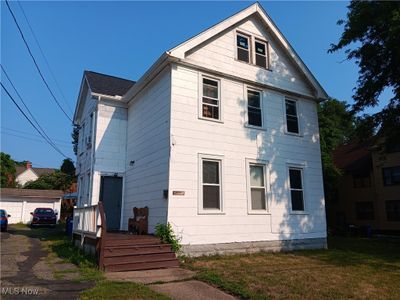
(371, 37)
(68, 167)
(75, 138)
(55, 181)
(336, 124)
(7, 170)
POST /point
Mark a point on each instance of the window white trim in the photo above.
(211, 157)
(266, 44)
(301, 168)
(265, 165)
(200, 100)
(250, 38)
(299, 123)
(262, 107)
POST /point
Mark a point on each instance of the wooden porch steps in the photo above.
(125, 252)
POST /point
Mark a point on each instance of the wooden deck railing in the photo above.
(88, 221)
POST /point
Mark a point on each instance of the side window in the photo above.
(257, 187)
(254, 108)
(261, 51)
(82, 138)
(243, 47)
(211, 184)
(292, 120)
(211, 104)
(296, 189)
(391, 176)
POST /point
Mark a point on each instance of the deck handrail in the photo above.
(87, 220)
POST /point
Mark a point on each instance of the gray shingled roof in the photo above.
(39, 171)
(54, 194)
(108, 85)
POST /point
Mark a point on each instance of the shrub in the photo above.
(167, 236)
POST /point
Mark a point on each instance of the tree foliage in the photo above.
(55, 181)
(371, 36)
(336, 123)
(75, 138)
(7, 170)
(68, 167)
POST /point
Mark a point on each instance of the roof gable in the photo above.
(107, 85)
(184, 49)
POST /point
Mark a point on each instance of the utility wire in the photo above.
(26, 107)
(30, 138)
(30, 134)
(27, 118)
(34, 61)
(44, 58)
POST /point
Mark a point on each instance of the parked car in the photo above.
(4, 219)
(44, 217)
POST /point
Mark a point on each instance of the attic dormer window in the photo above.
(261, 54)
(243, 47)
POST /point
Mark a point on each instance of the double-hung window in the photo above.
(292, 119)
(254, 108)
(211, 103)
(261, 52)
(391, 176)
(211, 184)
(243, 47)
(296, 189)
(257, 187)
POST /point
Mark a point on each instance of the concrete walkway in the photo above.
(176, 283)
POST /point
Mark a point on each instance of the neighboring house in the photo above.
(219, 137)
(27, 173)
(369, 190)
(19, 203)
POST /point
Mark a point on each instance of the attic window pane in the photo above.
(243, 53)
(261, 54)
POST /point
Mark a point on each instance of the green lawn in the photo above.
(60, 246)
(352, 268)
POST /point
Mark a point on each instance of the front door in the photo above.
(111, 195)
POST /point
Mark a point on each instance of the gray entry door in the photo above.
(111, 195)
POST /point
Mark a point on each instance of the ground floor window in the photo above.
(296, 189)
(211, 189)
(393, 210)
(365, 210)
(257, 186)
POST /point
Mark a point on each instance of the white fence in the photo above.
(87, 220)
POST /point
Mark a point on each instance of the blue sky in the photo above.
(124, 39)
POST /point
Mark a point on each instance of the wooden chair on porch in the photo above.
(140, 222)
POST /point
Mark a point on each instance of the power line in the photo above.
(27, 118)
(30, 134)
(44, 57)
(26, 107)
(34, 61)
(29, 138)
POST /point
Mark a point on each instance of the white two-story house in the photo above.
(219, 138)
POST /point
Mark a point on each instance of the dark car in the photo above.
(3, 220)
(44, 217)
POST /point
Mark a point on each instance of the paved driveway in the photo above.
(28, 271)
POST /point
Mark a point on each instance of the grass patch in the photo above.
(121, 290)
(356, 268)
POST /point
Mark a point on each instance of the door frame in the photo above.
(116, 174)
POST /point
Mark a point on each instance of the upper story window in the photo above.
(361, 180)
(243, 47)
(82, 138)
(211, 104)
(254, 108)
(296, 189)
(393, 210)
(391, 176)
(261, 54)
(292, 120)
